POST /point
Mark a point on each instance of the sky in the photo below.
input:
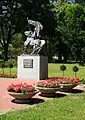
(71, 0)
(68, 0)
(4, 8)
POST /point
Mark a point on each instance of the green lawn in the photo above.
(7, 70)
(54, 70)
(71, 107)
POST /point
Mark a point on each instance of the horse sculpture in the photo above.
(36, 43)
(33, 37)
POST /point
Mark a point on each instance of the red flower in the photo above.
(56, 81)
(8, 75)
(48, 83)
(21, 88)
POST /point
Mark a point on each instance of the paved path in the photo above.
(6, 101)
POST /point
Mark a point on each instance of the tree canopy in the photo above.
(14, 18)
(70, 31)
(63, 21)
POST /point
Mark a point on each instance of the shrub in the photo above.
(11, 61)
(10, 66)
(3, 66)
(75, 69)
(63, 68)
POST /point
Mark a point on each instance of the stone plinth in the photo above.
(32, 67)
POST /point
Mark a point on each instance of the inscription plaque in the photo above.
(28, 63)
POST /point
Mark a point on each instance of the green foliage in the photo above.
(10, 65)
(7, 72)
(82, 2)
(10, 23)
(70, 31)
(11, 61)
(15, 20)
(2, 65)
(67, 41)
(63, 67)
(75, 69)
(16, 46)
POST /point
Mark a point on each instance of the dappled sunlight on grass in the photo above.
(71, 107)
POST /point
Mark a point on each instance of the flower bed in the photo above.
(48, 83)
(21, 88)
(59, 83)
(8, 75)
(65, 80)
(66, 83)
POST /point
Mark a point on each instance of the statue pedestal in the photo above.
(32, 67)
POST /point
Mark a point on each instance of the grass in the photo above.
(70, 107)
(7, 70)
(54, 70)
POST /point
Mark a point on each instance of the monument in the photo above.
(32, 66)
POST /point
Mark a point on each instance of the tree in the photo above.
(10, 23)
(13, 20)
(10, 66)
(63, 68)
(82, 2)
(75, 69)
(16, 46)
(3, 66)
(70, 31)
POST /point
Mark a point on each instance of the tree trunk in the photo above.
(59, 57)
(6, 45)
(75, 74)
(5, 52)
(63, 73)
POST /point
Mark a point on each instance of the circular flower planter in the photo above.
(47, 91)
(21, 92)
(67, 87)
(22, 98)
